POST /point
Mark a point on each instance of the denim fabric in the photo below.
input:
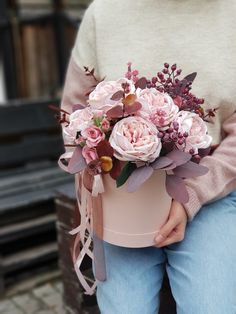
(201, 268)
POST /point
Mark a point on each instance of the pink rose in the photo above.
(105, 125)
(100, 97)
(89, 154)
(196, 128)
(157, 107)
(135, 139)
(93, 135)
(79, 120)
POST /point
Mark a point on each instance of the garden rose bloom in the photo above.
(100, 97)
(93, 135)
(134, 139)
(157, 107)
(191, 122)
(89, 154)
(79, 120)
(105, 125)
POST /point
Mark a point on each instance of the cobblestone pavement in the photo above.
(44, 299)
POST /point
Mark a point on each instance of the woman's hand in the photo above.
(174, 229)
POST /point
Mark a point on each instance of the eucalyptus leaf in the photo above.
(179, 157)
(190, 170)
(161, 162)
(77, 162)
(141, 83)
(176, 188)
(138, 177)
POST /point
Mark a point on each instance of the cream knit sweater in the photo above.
(198, 36)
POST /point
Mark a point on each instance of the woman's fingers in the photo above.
(174, 229)
(165, 230)
(176, 235)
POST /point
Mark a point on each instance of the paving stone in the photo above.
(8, 307)
(60, 310)
(44, 291)
(45, 312)
(59, 286)
(27, 302)
(44, 299)
(53, 300)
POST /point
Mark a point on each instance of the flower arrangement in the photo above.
(133, 126)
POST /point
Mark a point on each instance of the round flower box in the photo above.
(133, 219)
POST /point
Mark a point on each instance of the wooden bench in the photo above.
(75, 301)
(30, 144)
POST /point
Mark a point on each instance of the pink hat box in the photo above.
(133, 219)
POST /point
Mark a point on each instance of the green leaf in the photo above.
(97, 121)
(125, 173)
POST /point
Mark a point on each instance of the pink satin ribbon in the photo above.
(90, 230)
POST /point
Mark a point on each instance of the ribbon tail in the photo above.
(98, 187)
(97, 223)
(91, 221)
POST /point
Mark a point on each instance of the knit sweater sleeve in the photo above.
(77, 83)
(221, 177)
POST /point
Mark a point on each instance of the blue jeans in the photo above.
(201, 268)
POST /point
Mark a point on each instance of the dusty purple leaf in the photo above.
(204, 151)
(77, 162)
(181, 86)
(77, 107)
(115, 112)
(170, 167)
(179, 157)
(190, 170)
(141, 83)
(138, 177)
(118, 95)
(161, 162)
(190, 77)
(133, 108)
(175, 187)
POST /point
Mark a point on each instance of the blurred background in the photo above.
(36, 198)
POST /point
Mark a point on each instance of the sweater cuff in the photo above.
(193, 205)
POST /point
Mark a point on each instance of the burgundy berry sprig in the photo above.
(173, 135)
(61, 116)
(168, 81)
(91, 72)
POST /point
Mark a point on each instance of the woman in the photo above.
(197, 242)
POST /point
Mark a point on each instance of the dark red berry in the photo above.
(154, 80)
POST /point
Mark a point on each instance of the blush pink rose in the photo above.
(157, 107)
(135, 139)
(105, 125)
(93, 135)
(89, 154)
(196, 128)
(100, 97)
(78, 120)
